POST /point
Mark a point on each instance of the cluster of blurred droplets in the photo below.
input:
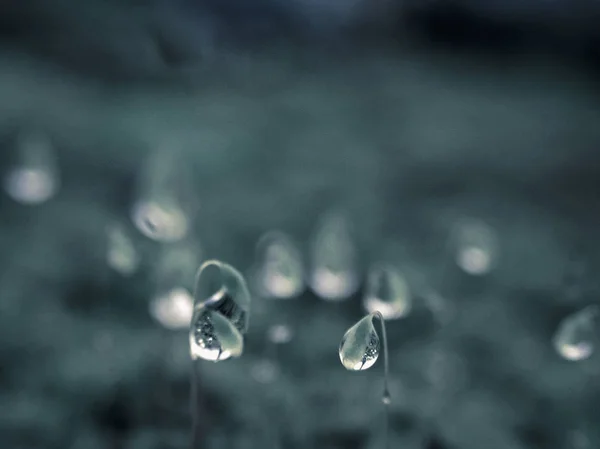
(163, 211)
(217, 309)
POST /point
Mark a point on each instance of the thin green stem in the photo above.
(194, 405)
(386, 398)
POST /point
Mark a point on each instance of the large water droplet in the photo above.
(387, 292)
(280, 271)
(360, 345)
(333, 259)
(476, 247)
(121, 254)
(33, 177)
(161, 210)
(577, 334)
(213, 337)
(222, 288)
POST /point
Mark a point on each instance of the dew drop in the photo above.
(161, 210)
(121, 254)
(34, 177)
(333, 259)
(280, 334)
(360, 345)
(222, 288)
(265, 371)
(173, 309)
(476, 247)
(280, 272)
(577, 334)
(387, 292)
(213, 337)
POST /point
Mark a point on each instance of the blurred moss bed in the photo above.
(406, 143)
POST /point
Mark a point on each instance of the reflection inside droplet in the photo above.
(160, 221)
(280, 267)
(333, 259)
(577, 334)
(476, 248)
(213, 337)
(387, 292)
(121, 254)
(173, 309)
(359, 348)
(280, 334)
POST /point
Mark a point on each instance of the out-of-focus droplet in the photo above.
(222, 288)
(213, 337)
(577, 334)
(265, 371)
(121, 254)
(333, 259)
(172, 303)
(476, 247)
(34, 176)
(360, 345)
(387, 292)
(280, 334)
(280, 270)
(173, 309)
(161, 210)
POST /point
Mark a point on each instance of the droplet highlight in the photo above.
(577, 335)
(160, 211)
(213, 337)
(121, 254)
(360, 345)
(476, 247)
(333, 274)
(280, 269)
(387, 291)
(33, 178)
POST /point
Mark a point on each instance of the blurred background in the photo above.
(436, 160)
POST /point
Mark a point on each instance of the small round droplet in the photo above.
(280, 272)
(213, 337)
(173, 309)
(333, 259)
(387, 292)
(160, 220)
(34, 177)
(386, 399)
(265, 371)
(280, 334)
(360, 345)
(577, 334)
(476, 248)
(222, 288)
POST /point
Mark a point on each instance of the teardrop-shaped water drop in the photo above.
(161, 210)
(121, 254)
(333, 259)
(476, 247)
(578, 334)
(280, 271)
(222, 288)
(213, 337)
(33, 177)
(387, 292)
(360, 345)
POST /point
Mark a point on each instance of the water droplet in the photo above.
(265, 371)
(222, 288)
(280, 334)
(578, 333)
(172, 304)
(34, 177)
(387, 292)
(386, 398)
(213, 337)
(280, 272)
(160, 211)
(333, 259)
(476, 247)
(121, 254)
(360, 345)
(173, 309)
